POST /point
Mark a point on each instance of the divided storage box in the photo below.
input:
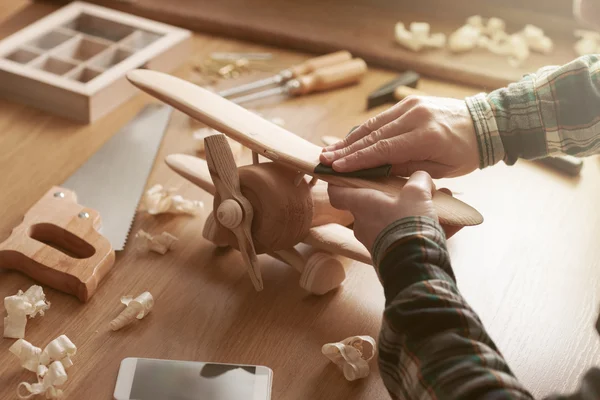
(73, 62)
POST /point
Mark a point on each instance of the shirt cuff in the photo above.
(491, 149)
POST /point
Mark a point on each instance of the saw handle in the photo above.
(331, 77)
(313, 64)
(56, 222)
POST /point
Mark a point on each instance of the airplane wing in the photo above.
(274, 142)
(338, 239)
(194, 169)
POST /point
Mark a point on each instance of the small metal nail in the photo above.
(59, 194)
(84, 215)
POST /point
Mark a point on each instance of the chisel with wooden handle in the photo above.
(322, 79)
(290, 73)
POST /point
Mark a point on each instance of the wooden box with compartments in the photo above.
(73, 62)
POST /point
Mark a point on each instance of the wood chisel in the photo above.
(293, 72)
(405, 85)
(322, 79)
(67, 240)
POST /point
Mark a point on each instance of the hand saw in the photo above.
(67, 240)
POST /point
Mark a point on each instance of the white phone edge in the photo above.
(125, 378)
(264, 375)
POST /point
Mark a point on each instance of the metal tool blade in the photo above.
(260, 95)
(273, 80)
(113, 179)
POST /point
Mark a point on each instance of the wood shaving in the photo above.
(492, 36)
(28, 354)
(352, 355)
(55, 375)
(418, 37)
(60, 349)
(136, 308)
(588, 43)
(158, 200)
(20, 306)
(49, 365)
(158, 244)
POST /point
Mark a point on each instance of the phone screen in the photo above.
(185, 380)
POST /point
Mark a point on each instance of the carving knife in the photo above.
(67, 240)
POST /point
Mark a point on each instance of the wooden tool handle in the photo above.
(402, 92)
(323, 61)
(58, 245)
(331, 77)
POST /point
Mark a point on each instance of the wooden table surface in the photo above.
(531, 270)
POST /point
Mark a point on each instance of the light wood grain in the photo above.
(275, 142)
(58, 244)
(223, 172)
(531, 270)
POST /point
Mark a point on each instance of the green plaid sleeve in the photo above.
(432, 345)
(553, 111)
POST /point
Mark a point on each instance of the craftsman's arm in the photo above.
(555, 110)
(432, 344)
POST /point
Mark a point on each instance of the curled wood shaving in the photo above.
(60, 349)
(49, 366)
(588, 43)
(159, 244)
(159, 201)
(352, 355)
(418, 37)
(55, 375)
(492, 35)
(28, 354)
(536, 39)
(136, 308)
(20, 306)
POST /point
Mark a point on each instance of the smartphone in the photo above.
(153, 379)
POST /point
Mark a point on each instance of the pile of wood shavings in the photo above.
(478, 33)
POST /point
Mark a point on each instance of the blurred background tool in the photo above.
(405, 85)
(393, 91)
(322, 79)
(294, 72)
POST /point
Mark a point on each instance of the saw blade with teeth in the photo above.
(113, 179)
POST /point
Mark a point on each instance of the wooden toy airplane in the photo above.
(269, 207)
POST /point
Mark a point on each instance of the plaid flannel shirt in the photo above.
(432, 345)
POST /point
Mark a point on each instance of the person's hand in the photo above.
(431, 134)
(373, 210)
